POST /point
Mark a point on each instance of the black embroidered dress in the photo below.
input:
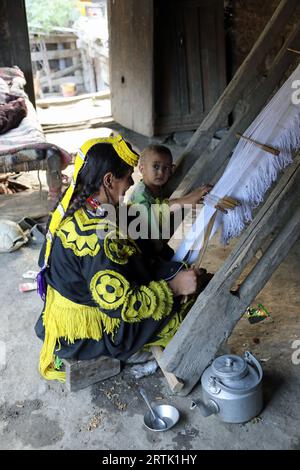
(101, 297)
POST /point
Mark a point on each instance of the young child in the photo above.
(156, 166)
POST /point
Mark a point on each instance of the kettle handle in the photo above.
(253, 361)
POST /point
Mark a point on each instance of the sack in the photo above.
(12, 236)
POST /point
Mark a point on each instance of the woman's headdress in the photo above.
(124, 152)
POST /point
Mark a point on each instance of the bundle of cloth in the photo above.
(18, 117)
(12, 110)
(251, 171)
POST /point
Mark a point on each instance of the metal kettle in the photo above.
(232, 388)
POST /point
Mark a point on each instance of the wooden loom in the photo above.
(277, 223)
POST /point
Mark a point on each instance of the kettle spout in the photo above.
(205, 409)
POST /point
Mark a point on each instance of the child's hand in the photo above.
(203, 190)
(184, 283)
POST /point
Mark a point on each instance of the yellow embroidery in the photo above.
(81, 245)
(155, 301)
(164, 298)
(109, 289)
(119, 249)
(97, 223)
(140, 304)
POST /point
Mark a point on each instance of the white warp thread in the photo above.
(251, 171)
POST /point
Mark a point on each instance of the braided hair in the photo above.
(101, 158)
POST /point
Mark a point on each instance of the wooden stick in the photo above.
(266, 148)
(205, 241)
(293, 50)
(221, 208)
(175, 384)
(233, 201)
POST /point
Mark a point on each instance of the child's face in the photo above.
(156, 169)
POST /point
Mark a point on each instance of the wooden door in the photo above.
(131, 63)
(189, 61)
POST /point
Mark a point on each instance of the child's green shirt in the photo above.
(158, 212)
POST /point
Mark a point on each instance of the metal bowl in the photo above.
(168, 413)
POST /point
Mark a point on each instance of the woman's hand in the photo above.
(184, 283)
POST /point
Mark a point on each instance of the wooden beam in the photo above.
(53, 38)
(55, 55)
(61, 73)
(252, 67)
(216, 311)
(175, 384)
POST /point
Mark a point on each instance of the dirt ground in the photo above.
(109, 415)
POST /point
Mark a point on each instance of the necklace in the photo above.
(96, 205)
(93, 202)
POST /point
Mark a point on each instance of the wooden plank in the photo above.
(82, 374)
(55, 55)
(258, 93)
(78, 80)
(53, 38)
(175, 384)
(62, 73)
(46, 66)
(251, 68)
(216, 311)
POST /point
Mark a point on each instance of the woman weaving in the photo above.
(101, 297)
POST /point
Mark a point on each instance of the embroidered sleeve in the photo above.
(112, 291)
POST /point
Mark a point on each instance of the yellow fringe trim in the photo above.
(64, 318)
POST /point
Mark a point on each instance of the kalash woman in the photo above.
(101, 297)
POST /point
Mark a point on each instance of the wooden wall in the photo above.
(14, 40)
(167, 62)
(131, 63)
